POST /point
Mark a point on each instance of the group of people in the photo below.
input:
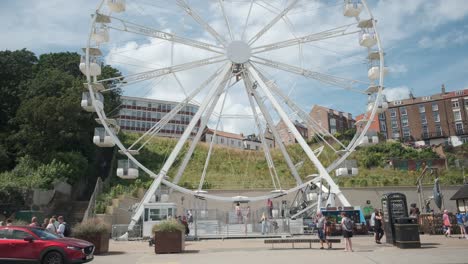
(462, 222)
(55, 225)
(323, 229)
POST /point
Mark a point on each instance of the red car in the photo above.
(22, 244)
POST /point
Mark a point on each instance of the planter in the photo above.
(169, 242)
(100, 241)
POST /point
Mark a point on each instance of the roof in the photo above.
(225, 134)
(316, 107)
(429, 98)
(462, 193)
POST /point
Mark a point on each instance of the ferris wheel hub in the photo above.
(238, 52)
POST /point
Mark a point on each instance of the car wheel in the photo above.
(53, 257)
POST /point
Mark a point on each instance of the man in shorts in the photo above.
(321, 225)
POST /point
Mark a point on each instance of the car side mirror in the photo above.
(30, 239)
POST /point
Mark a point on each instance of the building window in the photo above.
(435, 107)
(423, 118)
(422, 109)
(392, 112)
(404, 121)
(436, 117)
(459, 128)
(394, 124)
(332, 122)
(256, 147)
(395, 133)
(248, 146)
(403, 111)
(238, 143)
(406, 132)
(457, 115)
(459, 92)
(382, 116)
(426, 98)
(438, 130)
(455, 103)
(425, 132)
(397, 102)
(383, 127)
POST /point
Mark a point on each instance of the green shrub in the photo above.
(168, 226)
(90, 228)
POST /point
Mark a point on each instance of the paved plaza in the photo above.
(436, 249)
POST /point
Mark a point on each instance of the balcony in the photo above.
(433, 135)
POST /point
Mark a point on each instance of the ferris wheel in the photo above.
(256, 62)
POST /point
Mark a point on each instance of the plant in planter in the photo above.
(169, 237)
(94, 231)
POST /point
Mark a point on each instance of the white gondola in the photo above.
(352, 8)
(102, 139)
(87, 103)
(126, 169)
(340, 172)
(94, 66)
(116, 5)
(374, 66)
(100, 35)
(367, 39)
(381, 106)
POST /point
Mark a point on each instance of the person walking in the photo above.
(321, 225)
(51, 226)
(34, 222)
(447, 225)
(347, 227)
(372, 220)
(461, 223)
(45, 223)
(61, 227)
(264, 223)
(270, 208)
(238, 213)
(190, 218)
(379, 232)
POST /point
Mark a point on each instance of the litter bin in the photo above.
(407, 233)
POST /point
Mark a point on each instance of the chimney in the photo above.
(443, 88)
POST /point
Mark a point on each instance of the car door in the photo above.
(6, 246)
(22, 249)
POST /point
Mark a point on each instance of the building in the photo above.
(331, 120)
(287, 137)
(140, 114)
(232, 140)
(224, 138)
(428, 120)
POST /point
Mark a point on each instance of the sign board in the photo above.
(393, 206)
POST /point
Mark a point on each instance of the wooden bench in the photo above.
(298, 240)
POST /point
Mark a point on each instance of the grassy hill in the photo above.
(231, 168)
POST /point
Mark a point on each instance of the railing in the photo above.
(90, 211)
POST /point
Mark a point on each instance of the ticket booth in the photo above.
(155, 213)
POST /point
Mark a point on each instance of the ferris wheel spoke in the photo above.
(247, 20)
(169, 116)
(186, 7)
(317, 128)
(326, 34)
(270, 124)
(347, 84)
(226, 20)
(117, 82)
(273, 22)
(127, 26)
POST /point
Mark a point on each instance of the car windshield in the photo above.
(44, 234)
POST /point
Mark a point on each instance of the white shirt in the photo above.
(51, 228)
(372, 219)
(61, 229)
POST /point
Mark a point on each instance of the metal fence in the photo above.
(120, 232)
(90, 211)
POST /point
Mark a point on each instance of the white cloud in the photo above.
(452, 38)
(398, 69)
(397, 93)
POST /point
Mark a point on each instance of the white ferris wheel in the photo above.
(270, 59)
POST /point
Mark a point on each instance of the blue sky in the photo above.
(425, 42)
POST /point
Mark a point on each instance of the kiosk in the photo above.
(155, 213)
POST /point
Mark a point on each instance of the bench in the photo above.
(298, 240)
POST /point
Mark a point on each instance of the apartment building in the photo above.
(239, 141)
(140, 114)
(427, 120)
(331, 120)
(287, 137)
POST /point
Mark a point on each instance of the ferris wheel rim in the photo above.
(101, 115)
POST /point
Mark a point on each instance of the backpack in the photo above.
(349, 224)
(67, 232)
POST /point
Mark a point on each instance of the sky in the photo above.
(425, 45)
